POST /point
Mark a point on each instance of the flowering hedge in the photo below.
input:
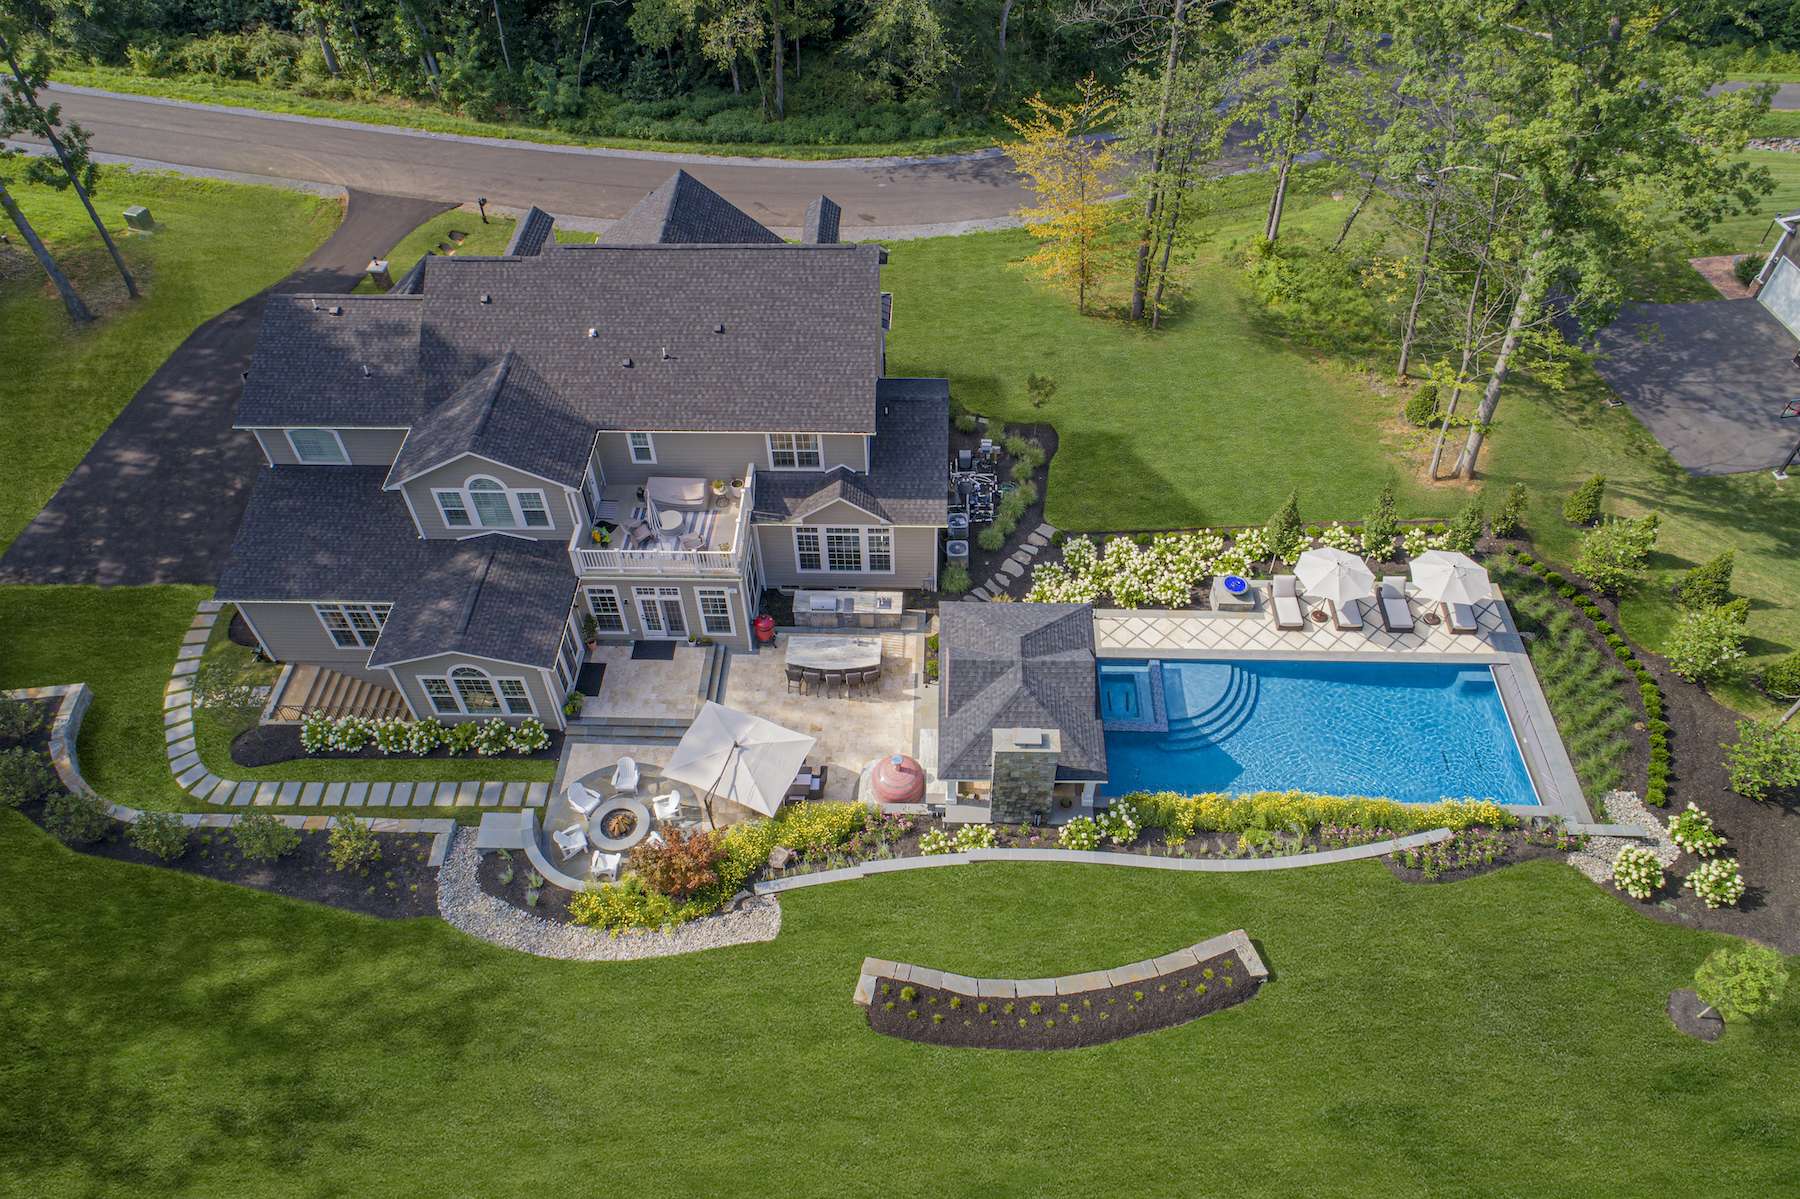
(1184, 815)
(1692, 829)
(391, 735)
(1717, 882)
(1636, 872)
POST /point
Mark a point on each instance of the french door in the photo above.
(659, 608)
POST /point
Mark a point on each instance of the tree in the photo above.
(1065, 167)
(1601, 108)
(902, 41)
(1706, 644)
(1286, 534)
(1381, 526)
(20, 112)
(1612, 556)
(1583, 505)
(1709, 584)
(78, 310)
(1741, 981)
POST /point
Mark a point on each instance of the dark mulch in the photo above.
(400, 885)
(983, 564)
(1513, 848)
(239, 631)
(38, 738)
(506, 875)
(271, 744)
(1690, 1016)
(1062, 1021)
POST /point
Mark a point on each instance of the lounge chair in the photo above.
(639, 535)
(606, 865)
(1461, 618)
(808, 784)
(625, 776)
(1395, 613)
(571, 840)
(1347, 616)
(1288, 612)
(667, 807)
(583, 800)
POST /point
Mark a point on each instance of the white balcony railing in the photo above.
(590, 560)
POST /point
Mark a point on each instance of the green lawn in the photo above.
(479, 238)
(215, 244)
(214, 733)
(1503, 1036)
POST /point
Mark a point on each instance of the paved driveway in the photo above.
(1708, 379)
(158, 497)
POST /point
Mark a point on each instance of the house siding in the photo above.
(406, 676)
(744, 600)
(291, 632)
(915, 560)
(712, 455)
(366, 447)
(459, 472)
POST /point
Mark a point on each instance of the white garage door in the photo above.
(1781, 295)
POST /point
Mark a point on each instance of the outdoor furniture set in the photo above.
(827, 662)
(1452, 582)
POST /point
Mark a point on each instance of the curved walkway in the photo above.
(158, 497)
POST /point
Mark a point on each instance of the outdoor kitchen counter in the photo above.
(812, 651)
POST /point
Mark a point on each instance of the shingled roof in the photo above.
(1017, 666)
(908, 481)
(533, 232)
(686, 211)
(493, 597)
(506, 413)
(348, 361)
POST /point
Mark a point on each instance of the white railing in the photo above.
(652, 561)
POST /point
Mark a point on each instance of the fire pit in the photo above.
(618, 824)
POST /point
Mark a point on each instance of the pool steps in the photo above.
(1228, 692)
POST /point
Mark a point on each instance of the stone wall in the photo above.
(1024, 774)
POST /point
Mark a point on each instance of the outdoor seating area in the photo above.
(1337, 586)
(668, 514)
(817, 664)
(592, 823)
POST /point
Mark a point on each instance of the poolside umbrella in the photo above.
(740, 757)
(1450, 578)
(1334, 575)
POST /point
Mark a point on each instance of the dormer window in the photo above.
(487, 503)
(795, 451)
(318, 447)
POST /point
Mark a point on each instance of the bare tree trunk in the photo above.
(1140, 280)
(326, 51)
(1355, 212)
(1171, 228)
(796, 57)
(587, 27)
(737, 88)
(776, 62)
(500, 24)
(1273, 227)
(1411, 327)
(427, 56)
(78, 311)
(1490, 399)
(1469, 359)
(1006, 8)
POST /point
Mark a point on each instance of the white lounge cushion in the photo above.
(1462, 618)
(1348, 614)
(665, 491)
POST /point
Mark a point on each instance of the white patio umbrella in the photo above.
(1450, 578)
(1334, 575)
(740, 757)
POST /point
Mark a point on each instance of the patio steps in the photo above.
(628, 729)
(1230, 700)
(712, 675)
(337, 694)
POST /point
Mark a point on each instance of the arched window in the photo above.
(487, 503)
(471, 691)
(475, 690)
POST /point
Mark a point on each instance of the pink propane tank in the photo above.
(898, 779)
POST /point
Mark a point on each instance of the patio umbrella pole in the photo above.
(735, 746)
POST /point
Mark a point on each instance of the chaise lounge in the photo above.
(1286, 593)
(1395, 613)
(1461, 618)
(1347, 616)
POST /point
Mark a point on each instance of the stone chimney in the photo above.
(821, 228)
(1024, 773)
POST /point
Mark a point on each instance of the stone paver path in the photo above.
(192, 776)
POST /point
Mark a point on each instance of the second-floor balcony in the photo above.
(669, 525)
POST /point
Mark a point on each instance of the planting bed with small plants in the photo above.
(1024, 474)
(509, 877)
(936, 1016)
(1478, 850)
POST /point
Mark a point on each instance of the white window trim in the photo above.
(494, 681)
(724, 593)
(511, 494)
(818, 440)
(336, 437)
(378, 611)
(862, 531)
(631, 449)
(587, 595)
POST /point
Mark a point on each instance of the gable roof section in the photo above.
(1018, 666)
(821, 226)
(506, 413)
(534, 231)
(311, 354)
(321, 533)
(496, 597)
(686, 211)
(908, 481)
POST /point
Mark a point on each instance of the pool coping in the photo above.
(1546, 758)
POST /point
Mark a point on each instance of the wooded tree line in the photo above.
(1525, 156)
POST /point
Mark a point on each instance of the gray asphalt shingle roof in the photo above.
(1017, 666)
(506, 413)
(311, 355)
(685, 210)
(492, 597)
(533, 232)
(909, 463)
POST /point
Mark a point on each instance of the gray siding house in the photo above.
(647, 431)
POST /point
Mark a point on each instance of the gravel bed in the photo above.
(464, 905)
(1624, 807)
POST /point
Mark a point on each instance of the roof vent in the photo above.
(486, 299)
(718, 328)
(337, 310)
(367, 373)
(593, 332)
(666, 354)
(627, 362)
(315, 305)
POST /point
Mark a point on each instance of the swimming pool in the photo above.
(1416, 732)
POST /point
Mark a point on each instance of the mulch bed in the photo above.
(1513, 848)
(272, 744)
(983, 565)
(506, 875)
(1061, 1021)
(239, 631)
(399, 886)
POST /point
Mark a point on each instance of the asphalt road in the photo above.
(568, 181)
(1787, 95)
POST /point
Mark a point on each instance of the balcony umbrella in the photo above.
(1450, 578)
(1334, 575)
(740, 757)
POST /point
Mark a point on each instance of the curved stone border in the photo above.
(72, 702)
(1237, 941)
(192, 776)
(1324, 857)
(465, 906)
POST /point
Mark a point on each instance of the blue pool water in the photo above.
(1415, 732)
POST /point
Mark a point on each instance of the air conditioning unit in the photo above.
(957, 552)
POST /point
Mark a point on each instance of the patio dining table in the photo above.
(812, 652)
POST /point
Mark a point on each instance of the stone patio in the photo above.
(646, 690)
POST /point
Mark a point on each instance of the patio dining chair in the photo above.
(571, 840)
(810, 677)
(872, 677)
(795, 677)
(835, 678)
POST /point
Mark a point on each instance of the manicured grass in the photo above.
(478, 239)
(1502, 1036)
(403, 113)
(215, 244)
(1586, 689)
(214, 733)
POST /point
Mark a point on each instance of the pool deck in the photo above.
(1223, 636)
